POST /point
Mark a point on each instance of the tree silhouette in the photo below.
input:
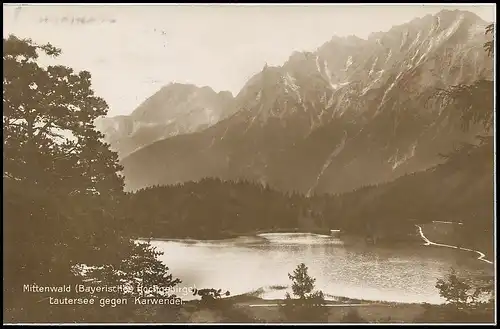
(48, 124)
(210, 296)
(62, 191)
(466, 301)
(489, 46)
(474, 102)
(141, 273)
(308, 305)
(461, 294)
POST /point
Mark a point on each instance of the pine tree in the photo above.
(62, 188)
(308, 305)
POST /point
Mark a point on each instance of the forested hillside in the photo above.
(460, 189)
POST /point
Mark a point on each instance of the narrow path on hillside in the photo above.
(430, 243)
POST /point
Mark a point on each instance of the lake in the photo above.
(260, 264)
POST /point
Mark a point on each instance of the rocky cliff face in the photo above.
(174, 109)
(355, 112)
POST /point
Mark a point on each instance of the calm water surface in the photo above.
(260, 265)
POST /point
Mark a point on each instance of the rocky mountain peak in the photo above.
(331, 114)
(174, 109)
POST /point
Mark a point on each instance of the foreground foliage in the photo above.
(308, 305)
(62, 193)
(466, 301)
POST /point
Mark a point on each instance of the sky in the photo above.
(133, 50)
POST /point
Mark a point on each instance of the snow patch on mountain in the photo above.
(336, 86)
(348, 63)
(390, 88)
(414, 56)
(373, 82)
(426, 53)
(289, 82)
(224, 134)
(259, 95)
(435, 26)
(445, 34)
(328, 75)
(317, 64)
(388, 56)
(397, 160)
(336, 151)
(404, 40)
(417, 39)
(373, 67)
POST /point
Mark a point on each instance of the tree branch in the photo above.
(43, 128)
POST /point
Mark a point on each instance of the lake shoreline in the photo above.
(227, 235)
(255, 299)
(232, 235)
(257, 310)
(432, 238)
(256, 233)
(268, 310)
(250, 299)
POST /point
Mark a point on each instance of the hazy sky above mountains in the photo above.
(132, 51)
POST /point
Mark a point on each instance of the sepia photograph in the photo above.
(249, 163)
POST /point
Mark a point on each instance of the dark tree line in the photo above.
(211, 208)
(458, 190)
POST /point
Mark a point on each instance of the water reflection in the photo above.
(260, 264)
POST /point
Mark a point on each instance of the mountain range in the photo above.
(174, 109)
(354, 112)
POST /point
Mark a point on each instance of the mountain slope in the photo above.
(354, 112)
(174, 109)
(459, 190)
